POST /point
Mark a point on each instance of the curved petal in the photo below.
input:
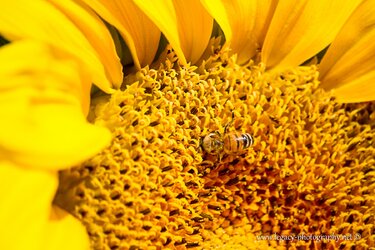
(186, 25)
(97, 34)
(41, 101)
(42, 21)
(25, 198)
(349, 64)
(62, 226)
(300, 29)
(244, 24)
(361, 89)
(140, 34)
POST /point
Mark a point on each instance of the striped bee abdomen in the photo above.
(237, 142)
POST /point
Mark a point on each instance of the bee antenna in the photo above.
(226, 126)
(226, 101)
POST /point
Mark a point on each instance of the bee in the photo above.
(231, 143)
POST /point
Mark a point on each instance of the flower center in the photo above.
(156, 186)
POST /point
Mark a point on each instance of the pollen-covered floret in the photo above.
(310, 170)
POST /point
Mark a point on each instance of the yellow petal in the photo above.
(40, 100)
(301, 28)
(220, 10)
(244, 24)
(361, 89)
(186, 25)
(42, 21)
(33, 59)
(140, 34)
(349, 64)
(25, 200)
(65, 232)
(97, 34)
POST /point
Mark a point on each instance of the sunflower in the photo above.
(127, 162)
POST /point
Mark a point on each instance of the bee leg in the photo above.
(219, 157)
(201, 143)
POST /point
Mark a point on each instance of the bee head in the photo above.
(213, 143)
